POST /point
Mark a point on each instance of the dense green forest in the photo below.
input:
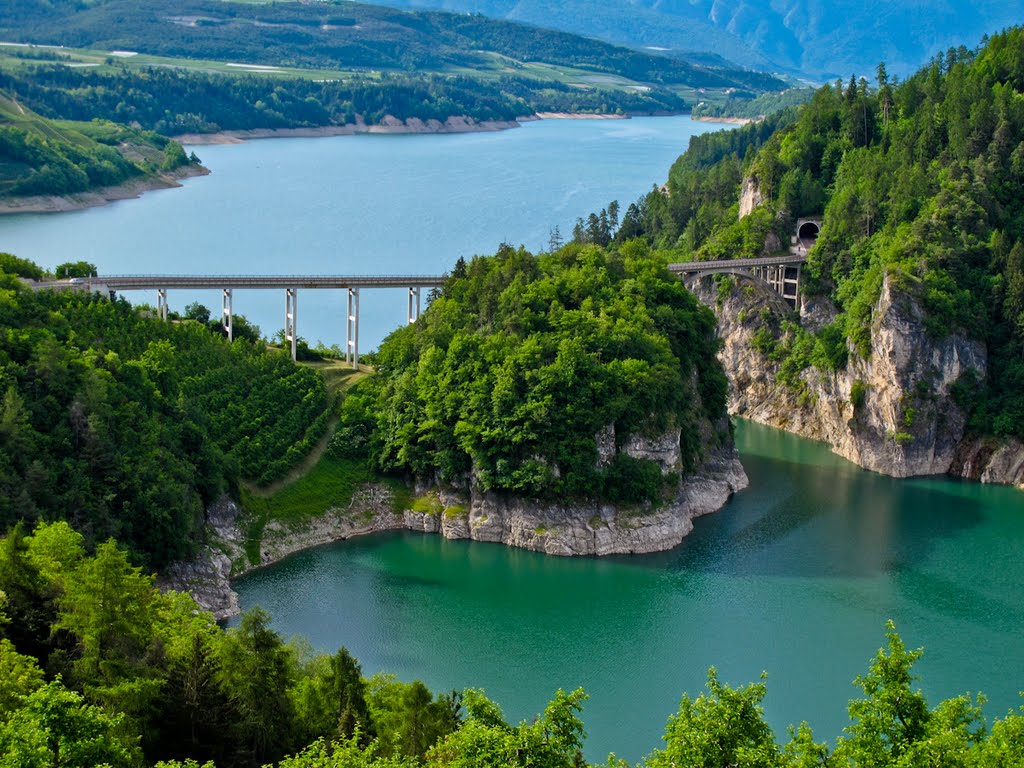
(44, 157)
(753, 106)
(127, 426)
(918, 180)
(522, 360)
(347, 34)
(176, 101)
(99, 668)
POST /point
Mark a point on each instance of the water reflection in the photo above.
(810, 514)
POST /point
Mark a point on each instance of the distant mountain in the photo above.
(822, 38)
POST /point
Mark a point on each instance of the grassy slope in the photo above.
(319, 483)
(137, 154)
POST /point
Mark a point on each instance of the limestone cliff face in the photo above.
(905, 421)
(207, 576)
(596, 528)
(989, 460)
(750, 196)
(556, 528)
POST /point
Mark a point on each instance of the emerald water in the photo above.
(796, 577)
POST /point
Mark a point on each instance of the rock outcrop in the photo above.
(990, 460)
(750, 196)
(207, 576)
(891, 411)
(556, 528)
(595, 528)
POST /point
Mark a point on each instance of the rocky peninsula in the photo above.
(573, 528)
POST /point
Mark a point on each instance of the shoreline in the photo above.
(389, 126)
(570, 529)
(728, 120)
(581, 116)
(95, 198)
(394, 126)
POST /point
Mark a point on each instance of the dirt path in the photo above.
(338, 378)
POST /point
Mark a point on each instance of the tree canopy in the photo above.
(918, 181)
(522, 360)
(127, 426)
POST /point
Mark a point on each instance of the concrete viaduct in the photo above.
(289, 283)
(780, 273)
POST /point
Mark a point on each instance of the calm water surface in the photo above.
(360, 205)
(796, 576)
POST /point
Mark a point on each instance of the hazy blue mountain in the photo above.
(816, 37)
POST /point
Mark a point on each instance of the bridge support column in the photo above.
(414, 305)
(790, 288)
(161, 303)
(352, 328)
(291, 336)
(225, 314)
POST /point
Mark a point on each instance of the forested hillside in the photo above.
(522, 360)
(207, 66)
(43, 157)
(347, 35)
(919, 181)
(126, 426)
(175, 101)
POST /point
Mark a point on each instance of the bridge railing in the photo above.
(710, 266)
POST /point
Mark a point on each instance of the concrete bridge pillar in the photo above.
(161, 303)
(225, 314)
(352, 328)
(790, 287)
(414, 305)
(291, 298)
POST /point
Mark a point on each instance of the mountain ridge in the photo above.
(823, 40)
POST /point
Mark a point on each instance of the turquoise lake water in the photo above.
(796, 576)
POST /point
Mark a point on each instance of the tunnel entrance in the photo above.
(807, 234)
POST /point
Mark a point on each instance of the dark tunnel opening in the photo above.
(808, 234)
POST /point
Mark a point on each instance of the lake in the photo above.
(368, 204)
(796, 576)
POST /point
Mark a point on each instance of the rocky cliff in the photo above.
(891, 411)
(556, 528)
(553, 527)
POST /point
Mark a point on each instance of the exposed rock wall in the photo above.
(208, 575)
(750, 196)
(907, 421)
(554, 528)
(597, 528)
(989, 460)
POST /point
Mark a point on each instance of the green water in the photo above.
(796, 576)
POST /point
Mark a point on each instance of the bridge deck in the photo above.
(154, 282)
(683, 267)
